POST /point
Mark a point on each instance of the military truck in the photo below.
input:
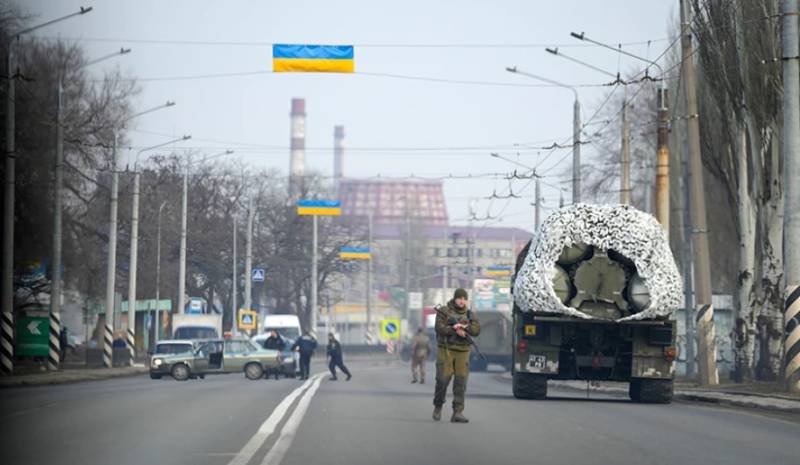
(593, 291)
(494, 341)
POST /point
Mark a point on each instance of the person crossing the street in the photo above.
(306, 344)
(455, 324)
(335, 358)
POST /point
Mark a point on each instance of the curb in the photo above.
(44, 380)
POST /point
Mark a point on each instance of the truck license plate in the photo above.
(537, 362)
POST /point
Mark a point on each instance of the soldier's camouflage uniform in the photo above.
(452, 357)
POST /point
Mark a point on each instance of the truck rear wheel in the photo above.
(651, 391)
(529, 386)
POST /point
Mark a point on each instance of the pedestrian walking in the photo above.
(454, 324)
(335, 358)
(305, 344)
(275, 342)
(420, 349)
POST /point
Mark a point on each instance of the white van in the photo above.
(288, 326)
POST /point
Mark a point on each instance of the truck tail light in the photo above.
(670, 353)
(522, 346)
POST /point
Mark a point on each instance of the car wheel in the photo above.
(154, 376)
(253, 371)
(201, 376)
(180, 372)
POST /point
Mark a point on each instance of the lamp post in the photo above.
(111, 270)
(55, 295)
(576, 130)
(7, 285)
(134, 255)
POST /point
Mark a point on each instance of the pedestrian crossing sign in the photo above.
(390, 329)
(258, 275)
(247, 319)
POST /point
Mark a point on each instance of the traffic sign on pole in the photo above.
(33, 334)
(390, 329)
(258, 275)
(247, 319)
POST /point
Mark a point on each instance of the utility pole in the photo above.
(791, 163)
(248, 260)
(707, 352)
(445, 278)
(662, 160)
(688, 268)
(625, 152)
(406, 262)
(158, 270)
(369, 277)
(234, 276)
(314, 291)
(111, 272)
(182, 264)
(576, 151)
(54, 355)
(538, 204)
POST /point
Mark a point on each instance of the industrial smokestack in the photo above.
(338, 155)
(297, 151)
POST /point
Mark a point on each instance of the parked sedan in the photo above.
(220, 356)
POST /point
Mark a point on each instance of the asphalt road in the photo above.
(377, 418)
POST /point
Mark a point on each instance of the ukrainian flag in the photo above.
(312, 58)
(498, 271)
(319, 207)
(354, 253)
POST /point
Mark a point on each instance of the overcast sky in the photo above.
(386, 118)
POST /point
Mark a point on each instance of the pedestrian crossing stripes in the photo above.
(7, 344)
(54, 342)
(107, 347)
(130, 342)
(791, 317)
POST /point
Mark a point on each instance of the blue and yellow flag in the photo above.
(498, 271)
(288, 58)
(354, 253)
(319, 207)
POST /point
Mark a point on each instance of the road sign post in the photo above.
(390, 329)
(247, 319)
(258, 275)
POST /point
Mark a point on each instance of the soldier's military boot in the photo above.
(414, 381)
(458, 417)
(437, 412)
(422, 381)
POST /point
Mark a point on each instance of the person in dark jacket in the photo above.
(335, 358)
(275, 342)
(305, 344)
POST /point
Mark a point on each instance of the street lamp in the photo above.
(111, 271)
(576, 130)
(662, 163)
(7, 286)
(134, 256)
(55, 295)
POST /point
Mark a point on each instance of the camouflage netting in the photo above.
(634, 234)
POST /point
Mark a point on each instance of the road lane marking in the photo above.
(289, 430)
(269, 425)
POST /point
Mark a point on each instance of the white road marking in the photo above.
(284, 441)
(269, 425)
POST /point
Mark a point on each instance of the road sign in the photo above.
(258, 275)
(415, 300)
(247, 319)
(390, 328)
(33, 334)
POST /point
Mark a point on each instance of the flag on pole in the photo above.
(498, 271)
(303, 58)
(319, 207)
(354, 253)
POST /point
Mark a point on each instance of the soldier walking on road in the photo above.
(335, 358)
(454, 323)
(306, 344)
(420, 349)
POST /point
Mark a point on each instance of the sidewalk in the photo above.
(764, 396)
(69, 376)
